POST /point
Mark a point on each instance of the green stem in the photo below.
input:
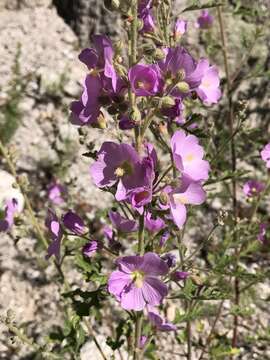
(233, 164)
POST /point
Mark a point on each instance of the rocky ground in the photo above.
(33, 34)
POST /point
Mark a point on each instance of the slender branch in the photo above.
(209, 337)
(233, 163)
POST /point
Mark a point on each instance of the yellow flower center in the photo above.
(124, 169)
(138, 277)
(206, 84)
(189, 157)
(180, 199)
(94, 72)
(144, 85)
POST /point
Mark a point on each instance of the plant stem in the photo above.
(38, 229)
(233, 163)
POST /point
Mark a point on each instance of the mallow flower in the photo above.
(9, 213)
(153, 223)
(187, 193)
(145, 14)
(205, 20)
(122, 224)
(91, 248)
(100, 58)
(208, 90)
(53, 225)
(74, 223)
(56, 192)
(188, 156)
(159, 323)
(136, 284)
(265, 155)
(180, 28)
(87, 109)
(116, 164)
(177, 68)
(145, 80)
(253, 188)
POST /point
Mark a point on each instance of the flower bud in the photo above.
(183, 87)
(167, 102)
(163, 198)
(135, 114)
(112, 4)
(159, 54)
(101, 122)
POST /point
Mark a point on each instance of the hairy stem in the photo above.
(233, 163)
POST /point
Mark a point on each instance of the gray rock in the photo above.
(87, 17)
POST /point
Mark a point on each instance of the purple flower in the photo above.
(159, 323)
(91, 248)
(135, 284)
(56, 191)
(100, 58)
(170, 259)
(145, 14)
(253, 188)
(74, 223)
(122, 224)
(262, 232)
(9, 213)
(188, 156)
(145, 80)
(178, 67)
(179, 29)
(87, 109)
(187, 193)
(53, 225)
(175, 112)
(208, 90)
(164, 237)
(143, 341)
(126, 124)
(205, 20)
(153, 224)
(116, 163)
(265, 155)
(142, 194)
(180, 275)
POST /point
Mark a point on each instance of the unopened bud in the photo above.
(101, 122)
(183, 87)
(159, 54)
(167, 102)
(112, 4)
(164, 198)
(135, 114)
(197, 280)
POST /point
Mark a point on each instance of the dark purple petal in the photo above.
(91, 248)
(74, 223)
(122, 224)
(153, 265)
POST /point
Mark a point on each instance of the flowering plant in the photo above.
(161, 173)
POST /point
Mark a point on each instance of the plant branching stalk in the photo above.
(233, 162)
(40, 234)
